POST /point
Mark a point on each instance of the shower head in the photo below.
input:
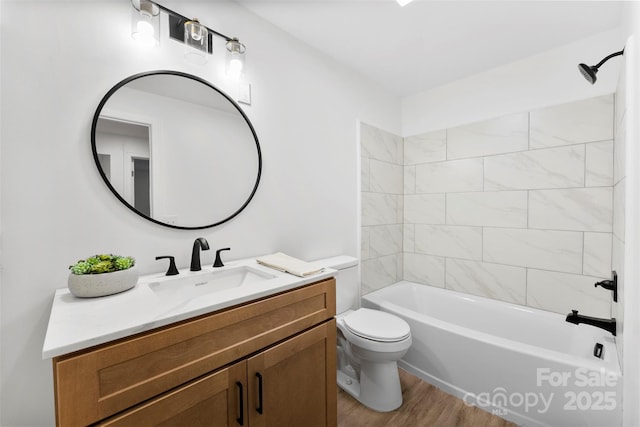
(589, 72)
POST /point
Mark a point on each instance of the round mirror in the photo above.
(176, 150)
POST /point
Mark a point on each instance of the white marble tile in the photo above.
(505, 134)
(409, 238)
(364, 174)
(450, 176)
(597, 254)
(378, 209)
(550, 250)
(409, 179)
(619, 209)
(424, 209)
(364, 243)
(449, 241)
(378, 273)
(385, 177)
(399, 208)
(497, 209)
(380, 145)
(495, 281)
(576, 122)
(561, 293)
(619, 152)
(561, 167)
(599, 164)
(577, 209)
(385, 240)
(425, 269)
(425, 148)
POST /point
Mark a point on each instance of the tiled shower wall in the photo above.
(382, 206)
(517, 208)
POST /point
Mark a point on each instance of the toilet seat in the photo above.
(377, 325)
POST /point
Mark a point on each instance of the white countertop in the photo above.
(79, 323)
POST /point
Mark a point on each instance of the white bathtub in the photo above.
(526, 365)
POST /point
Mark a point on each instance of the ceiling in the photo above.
(429, 43)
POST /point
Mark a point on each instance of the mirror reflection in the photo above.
(176, 150)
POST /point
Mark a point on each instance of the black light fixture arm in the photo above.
(608, 58)
(185, 19)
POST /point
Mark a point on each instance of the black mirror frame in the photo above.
(94, 124)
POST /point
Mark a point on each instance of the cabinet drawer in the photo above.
(97, 383)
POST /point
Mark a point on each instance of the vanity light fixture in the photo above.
(145, 22)
(198, 38)
(404, 2)
(235, 58)
(589, 72)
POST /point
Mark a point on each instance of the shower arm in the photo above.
(608, 58)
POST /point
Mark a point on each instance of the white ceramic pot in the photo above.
(99, 285)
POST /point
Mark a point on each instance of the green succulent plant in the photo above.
(102, 263)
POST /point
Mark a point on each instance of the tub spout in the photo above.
(606, 324)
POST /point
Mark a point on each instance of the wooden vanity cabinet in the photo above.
(270, 362)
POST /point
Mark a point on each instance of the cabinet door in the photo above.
(294, 382)
(218, 399)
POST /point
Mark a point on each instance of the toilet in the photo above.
(370, 342)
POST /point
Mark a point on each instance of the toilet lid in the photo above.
(377, 325)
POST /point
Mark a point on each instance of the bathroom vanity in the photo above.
(257, 354)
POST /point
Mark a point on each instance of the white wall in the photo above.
(56, 209)
(631, 291)
(549, 78)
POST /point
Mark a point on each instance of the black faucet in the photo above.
(199, 243)
(218, 261)
(172, 271)
(606, 324)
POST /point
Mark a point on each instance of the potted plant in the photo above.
(102, 275)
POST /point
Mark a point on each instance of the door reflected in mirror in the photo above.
(176, 150)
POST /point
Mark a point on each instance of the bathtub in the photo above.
(525, 365)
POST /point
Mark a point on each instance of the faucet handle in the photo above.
(218, 261)
(172, 271)
(575, 312)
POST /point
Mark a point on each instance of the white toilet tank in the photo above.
(346, 280)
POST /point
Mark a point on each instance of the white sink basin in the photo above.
(195, 284)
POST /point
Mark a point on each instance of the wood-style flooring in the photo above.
(423, 406)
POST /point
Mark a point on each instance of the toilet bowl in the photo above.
(370, 342)
(374, 342)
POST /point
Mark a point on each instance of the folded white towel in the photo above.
(288, 264)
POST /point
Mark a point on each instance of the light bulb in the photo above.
(235, 58)
(144, 34)
(196, 30)
(235, 68)
(145, 29)
(195, 34)
(145, 23)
